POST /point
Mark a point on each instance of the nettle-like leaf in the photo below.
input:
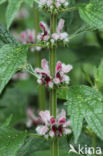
(40, 147)
(2, 1)
(92, 13)
(10, 141)
(6, 37)
(85, 102)
(12, 9)
(98, 74)
(12, 58)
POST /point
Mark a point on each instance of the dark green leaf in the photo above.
(84, 102)
(11, 59)
(10, 141)
(5, 37)
(15, 102)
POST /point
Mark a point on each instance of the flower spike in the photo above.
(53, 127)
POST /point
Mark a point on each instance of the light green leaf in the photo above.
(95, 122)
(10, 141)
(11, 59)
(92, 13)
(83, 102)
(2, 1)
(8, 120)
(12, 9)
(30, 2)
(6, 37)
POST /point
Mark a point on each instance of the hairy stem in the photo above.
(41, 89)
(53, 98)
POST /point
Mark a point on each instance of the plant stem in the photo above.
(53, 98)
(41, 89)
(94, 143)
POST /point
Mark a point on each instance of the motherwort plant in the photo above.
(52, 74)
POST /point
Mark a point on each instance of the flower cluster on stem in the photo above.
(55, 38)
(26, 37)
(52, 127)
(52, 6)
(61, 77)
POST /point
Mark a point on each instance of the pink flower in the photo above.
(55, 36)
(60, 25)
(51, 4)
(45, 35)
(52, 121)
(45, 116)
(44, 74)
(60, 75)
(42, 130)
(26, 37)
(33, 120)
(53, 127)
(58, 4)
(20, 76)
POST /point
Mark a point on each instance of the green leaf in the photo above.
(10, 141)
(11, 59)
(98, 74)
(47, 153)
(84, 102)
(41, 147)
(6, 37)
(95, 122)
(11, 106)
(92, 13)
(2, 1)
(62, 93)
(8, 120)
(12, 9)
(30, 2)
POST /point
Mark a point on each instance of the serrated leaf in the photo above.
(2, 1)
(12, 9)
(10, 141)
(95, 122)
(30, 2)
(11, 59)
(6, 37)
(92, 13)
(83, 102)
